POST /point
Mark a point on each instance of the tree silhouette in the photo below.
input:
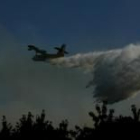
(6, 128)
(105, 123)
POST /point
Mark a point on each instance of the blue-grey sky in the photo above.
(83, 25)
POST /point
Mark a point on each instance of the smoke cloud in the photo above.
(115, 73)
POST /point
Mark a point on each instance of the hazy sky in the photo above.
(84, 26)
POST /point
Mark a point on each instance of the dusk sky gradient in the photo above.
(85, 26)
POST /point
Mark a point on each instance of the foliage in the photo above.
(104, 124)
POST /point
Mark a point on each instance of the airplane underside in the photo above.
(39, 58)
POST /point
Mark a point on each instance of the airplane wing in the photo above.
(57, 48)
(37, 50)
(32, 47)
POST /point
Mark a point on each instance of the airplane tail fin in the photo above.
(62, 49)
(66, 52)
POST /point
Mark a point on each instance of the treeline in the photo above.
(105, 125)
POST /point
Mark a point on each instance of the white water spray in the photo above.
(116, 73)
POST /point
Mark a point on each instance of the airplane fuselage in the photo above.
(47, 57)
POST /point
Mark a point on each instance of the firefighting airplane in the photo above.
(42, 55)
